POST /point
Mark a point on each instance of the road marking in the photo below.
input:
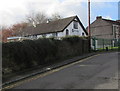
(45, 74)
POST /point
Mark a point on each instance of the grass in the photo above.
(108, 48)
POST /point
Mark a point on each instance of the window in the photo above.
(34, 36)
(54, 34)
(114, 28)
(44, 35)
(67, 32)
(83, 34)
(75, 25)
(114, 31)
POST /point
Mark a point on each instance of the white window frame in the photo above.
(67, 32)
(55, 34)
(75, 24)
(44, 35)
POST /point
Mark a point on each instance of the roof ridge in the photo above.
(113, 21)
(109, 20)
(57, 20)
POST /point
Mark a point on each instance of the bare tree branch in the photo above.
(55, 16)
(40, 17)
(37, 18)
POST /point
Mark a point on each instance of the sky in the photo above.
(15, 11)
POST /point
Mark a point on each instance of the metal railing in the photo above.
(104, 44)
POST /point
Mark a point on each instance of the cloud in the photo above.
(13, 11)
(108, 17)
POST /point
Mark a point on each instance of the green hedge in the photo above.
(29, 53)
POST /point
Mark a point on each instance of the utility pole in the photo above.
(89, 32)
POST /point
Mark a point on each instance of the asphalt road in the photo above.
(97, 72)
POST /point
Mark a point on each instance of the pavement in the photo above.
(96, 72)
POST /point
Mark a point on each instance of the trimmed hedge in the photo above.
(30, 53)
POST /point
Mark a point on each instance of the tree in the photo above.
(16, 28)
(5, 34)
(40, 17)
(36, 18)
(11, 31)
(55, 16)
(2, 27)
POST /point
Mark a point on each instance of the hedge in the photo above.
(18, 56)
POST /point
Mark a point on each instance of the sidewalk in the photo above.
(45, 69)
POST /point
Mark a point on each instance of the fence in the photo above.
(104, 44)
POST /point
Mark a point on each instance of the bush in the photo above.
(30, 53)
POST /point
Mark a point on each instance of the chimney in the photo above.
(48, 20)
(118, 20)
(99, 17)
(34, 25)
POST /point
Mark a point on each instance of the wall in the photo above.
(101, 29)
(78, 31)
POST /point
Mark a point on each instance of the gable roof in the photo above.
(51, 27)
(112, 21)
(107, 20)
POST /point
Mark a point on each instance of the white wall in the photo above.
(73, 31)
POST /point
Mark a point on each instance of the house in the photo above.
(105, 28)
(104, 33)
(60, 28)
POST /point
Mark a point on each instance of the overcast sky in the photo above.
(14, 11)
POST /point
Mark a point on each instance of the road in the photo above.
(96, 72)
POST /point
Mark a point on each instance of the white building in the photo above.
(60, 28)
